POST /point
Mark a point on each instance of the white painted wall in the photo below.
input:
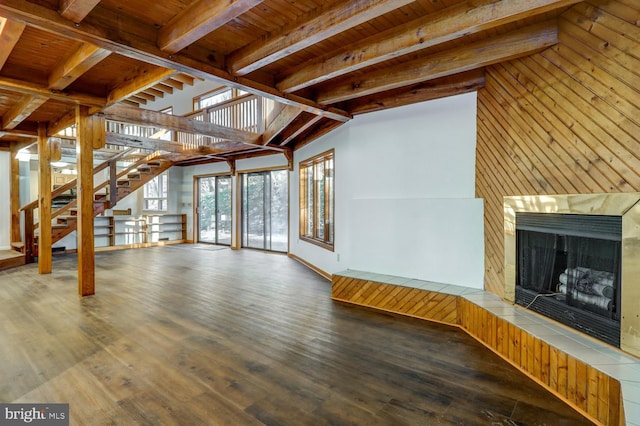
(404, 194)
(405, 188)
(5, 194)
(182, 101)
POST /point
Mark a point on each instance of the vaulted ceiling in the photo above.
(322, 61)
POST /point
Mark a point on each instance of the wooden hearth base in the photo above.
(517, 335)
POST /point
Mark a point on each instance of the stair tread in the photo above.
(101, 201)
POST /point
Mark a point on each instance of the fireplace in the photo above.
(568, 268)
(576, 260)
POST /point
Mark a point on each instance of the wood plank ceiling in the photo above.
(323, 60)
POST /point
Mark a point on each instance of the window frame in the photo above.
(307, 172)
(162, 188)
(233, 91)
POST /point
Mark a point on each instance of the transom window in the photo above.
(316, 200)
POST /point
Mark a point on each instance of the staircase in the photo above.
(106, 195)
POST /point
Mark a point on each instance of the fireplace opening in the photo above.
(568, 268)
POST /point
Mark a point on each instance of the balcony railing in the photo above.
(247, 112)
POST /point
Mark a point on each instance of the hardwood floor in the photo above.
(178, 335)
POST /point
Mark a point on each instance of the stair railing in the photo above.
(28, 209)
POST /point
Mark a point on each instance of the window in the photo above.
(316, 200)
(155, 193)
(216, 97)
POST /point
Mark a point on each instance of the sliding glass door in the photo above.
(265, 218)
(214, 210)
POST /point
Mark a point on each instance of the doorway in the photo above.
(265, 210)
(214, 210)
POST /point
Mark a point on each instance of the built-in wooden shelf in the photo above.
(140, 231)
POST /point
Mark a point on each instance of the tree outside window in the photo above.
(316, 200)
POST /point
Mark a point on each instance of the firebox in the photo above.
(568, 268)
(576, 258)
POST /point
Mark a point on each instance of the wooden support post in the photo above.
(28, 235)
(289, 155)
(236, 232)
(232, 166)
(15, 197)
(113, 183)
(89, 128)
(44, 201)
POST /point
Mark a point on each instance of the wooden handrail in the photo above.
(126, 171)
(73, 203)
(72, 183)
(30, 226)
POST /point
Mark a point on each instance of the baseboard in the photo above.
(314, 268)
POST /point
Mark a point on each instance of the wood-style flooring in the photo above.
(177, 335)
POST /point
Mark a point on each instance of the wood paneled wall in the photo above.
(566, 120)
(409, 301)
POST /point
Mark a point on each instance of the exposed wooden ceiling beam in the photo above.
(183, 78)
(62, 123)
(301, 35)
(21, 110)
(19, 133)
(76, 64)
(465, 82)
(296, 128)
(281, 121)
(129, 102)
(155, 92)
(76, 10)
(137, 99)
(173, 83)
(198, 20)
(63, 75)
(133, 45)
(489, 51)
(34, 89)
(146, 96)
(430, 30)
(143, 81)
(163, 88)
(10, 33)
(173, 122)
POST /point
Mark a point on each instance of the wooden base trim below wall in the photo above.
(590, 391)
(314, 268)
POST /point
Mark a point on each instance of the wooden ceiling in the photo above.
(323, 61)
